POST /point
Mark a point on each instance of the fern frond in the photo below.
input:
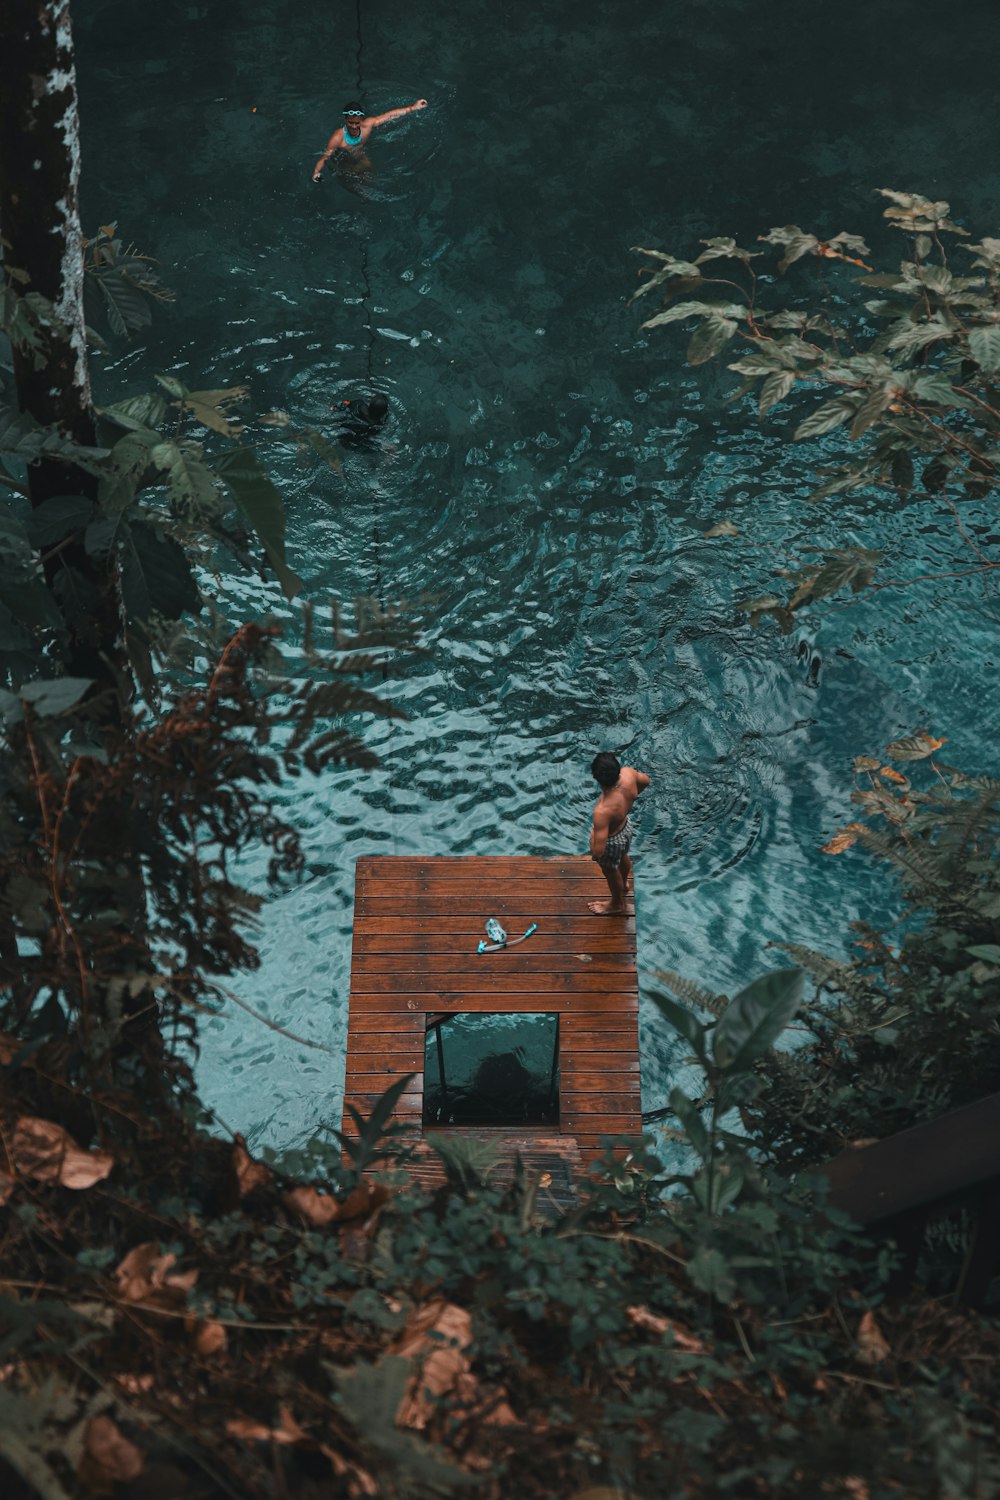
(691, 993)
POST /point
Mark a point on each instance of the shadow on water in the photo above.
(556, 468)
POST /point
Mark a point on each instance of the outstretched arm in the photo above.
(336, 140)
(395, 114)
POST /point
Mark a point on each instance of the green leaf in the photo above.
(207, 408)
(681, 1019)
(831, 414)
(694, 1127)
(681, 310)
(192, 487)
(136, 412)
(709, 338)
(175, 387)
(126, 307)
(775, 388)
(260, 504)
(727, 1184)
(984, 345)
(54, 695)
(11, 711)
(130, 459)
(869, 412)
(988, 952)
(156, 576)
(57, 518)
(709, 1271)
(755, 1018)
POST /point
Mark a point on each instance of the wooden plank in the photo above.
(484, 891)
(593, 940)
(380, 1062)
(918, 1167)
(406, 1021)
(592, 1022)
(491, 980)
(579, 1121)
(366, 1085)
(532, 1002)
(475, 964)
(462, 866)
(619, 1064)
(510, 909)
(575, 1106)
(434, 925)
(573, 1083)
(409, 1107)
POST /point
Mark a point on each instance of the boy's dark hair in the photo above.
(354, 107)
(605, 769)
(376, 407)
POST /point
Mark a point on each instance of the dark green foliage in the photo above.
(905, 369)
(911, 1028)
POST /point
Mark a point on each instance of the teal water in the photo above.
(553, 469)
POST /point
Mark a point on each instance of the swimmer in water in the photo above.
(351, 137)
(361, 421)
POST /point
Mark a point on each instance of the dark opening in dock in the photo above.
(492, 1069)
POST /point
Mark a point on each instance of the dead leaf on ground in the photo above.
(108, 1456)
(45, 1152)
(321, 1208)
(872, 1345)
(6, 1187)
(722, 528)
(437, 1336)
(147, 1275)
(250, 1174)
(209, 1339)
(605, 1492)
(287, 1433)
(441, 1331)
(135, 1385)
(642, 1317)
(360, 1482)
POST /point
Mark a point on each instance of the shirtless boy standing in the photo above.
(357, 127)
(611, 831)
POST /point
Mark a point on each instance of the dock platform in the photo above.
(417, 923)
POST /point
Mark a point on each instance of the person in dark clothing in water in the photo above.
(361, 421)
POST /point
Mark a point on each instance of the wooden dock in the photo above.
(417, 923)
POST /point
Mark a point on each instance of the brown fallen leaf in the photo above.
(287, 1433)
(108, 1456)
(6, 1187)
(147, 1275)
(844, 839)
(209, 1339)
(321, 1208)
(135, 1385)
(642, 1317)
(872, 1345)
(45, 1152)
(250, 1174)
(441, 1331)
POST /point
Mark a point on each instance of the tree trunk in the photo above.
(40, 217)
(40, 223)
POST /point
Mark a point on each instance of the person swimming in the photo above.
(350, 138)
(362, 420)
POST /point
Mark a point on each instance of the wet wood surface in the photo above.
(417, 924)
